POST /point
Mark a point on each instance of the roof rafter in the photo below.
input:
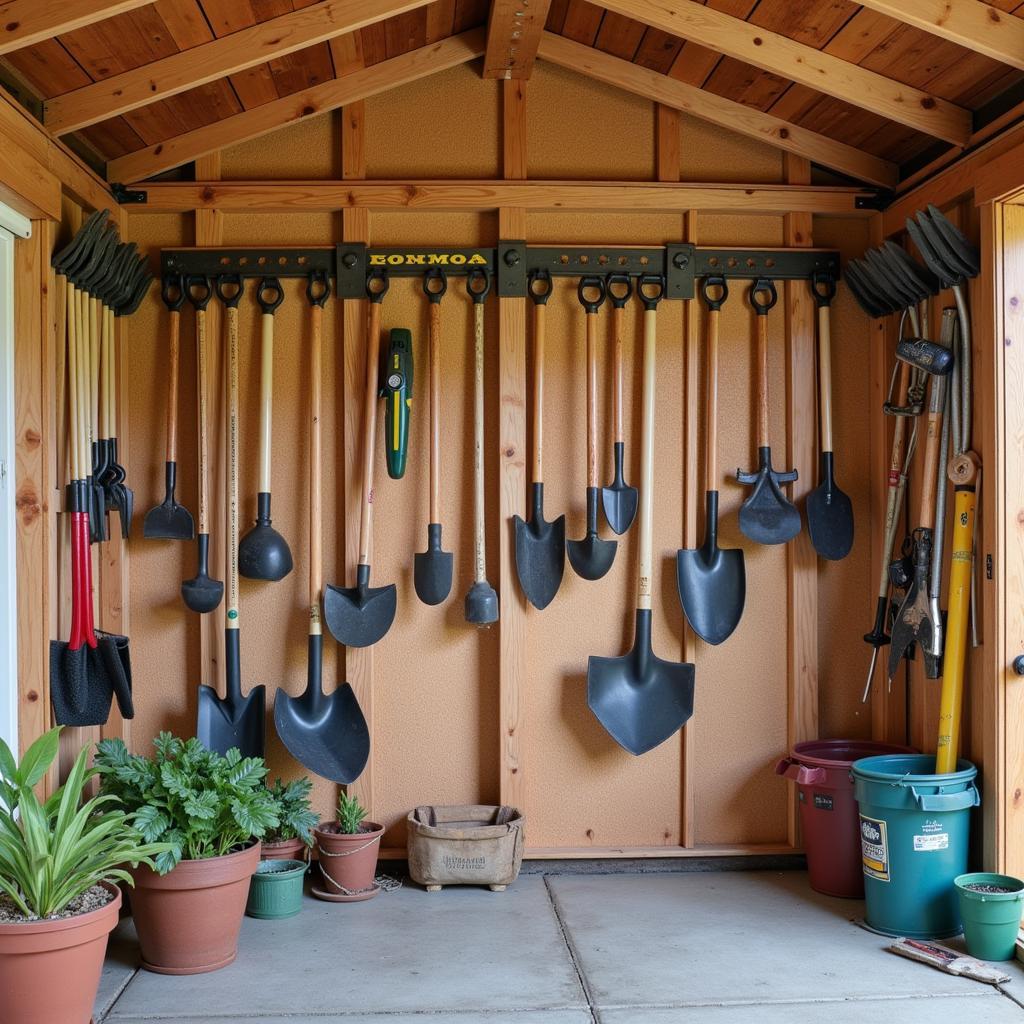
(216, 59)
(798, 62)
(513, 34)
(319, 99)
(26, 22)
(710, 107)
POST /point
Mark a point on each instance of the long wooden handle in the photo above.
(266, 398)
(539, 320)
(618, 328)
(762, 380)
(74, 424)
(933, 444)
(435, 411)
(109, 373)
(646, 580)
(479, 545)
(369, 431)
(315, 518)
(204, 440)
(892, 509)
(96, 342)
(592, 400)
(233, 437)
(173, 347)
(711, 439)
(825, 376)
(84, 357)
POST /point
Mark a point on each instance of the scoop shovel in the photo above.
(325, 733)
(640, 698)
(712, 582)
(432, 569)
(540, 545)
(767, 516)
(618, 498)
(359, 616)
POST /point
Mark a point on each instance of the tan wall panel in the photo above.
(303, 151)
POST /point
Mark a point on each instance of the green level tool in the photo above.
(396, 391)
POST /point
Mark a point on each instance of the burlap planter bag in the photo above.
(467, 844)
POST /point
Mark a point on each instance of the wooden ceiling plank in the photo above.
(777, 53)
(320, 99)
(718, 110)
(513, 33)
(968, 23)
(440, 20)
(26, 22)
(216, 59)
(184, 20)
(48, 68)
(405, 32)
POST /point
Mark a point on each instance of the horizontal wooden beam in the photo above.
(513, 33)
(319, 99)
(25, 22)
(26, 185)
(798, 62)
(216, 59)
(329, 196)
(718, 110)
(969, 23)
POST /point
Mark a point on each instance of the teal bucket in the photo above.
(275, 891)
(914, 828)
(991, 919)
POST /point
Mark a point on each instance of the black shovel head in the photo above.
(619, 499)
(768, 516)
(359, 616)
(829, 514)
(223, 724)
(913, 625)
(83, 681)
(639, 698)
(591, 557)
(168, 521)
(263, 554)
(482, 604)
(712, 582)
(540, 553)
(432, 569)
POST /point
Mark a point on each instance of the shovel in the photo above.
(767, 516)
(481, 601)
(618, 498)
(201, 593)
(540, 545)
(432, 569)
(829, 510)
(325, 733)
(235, 721)
(712, 582)
(169, 520)
(359, 616)
(263, 554)
(640, 698)
(591, 557)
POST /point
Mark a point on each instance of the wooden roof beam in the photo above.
(720, 111)
(319, 99)
(969, 23)
(216, 59)
(798, 62)
(513, 34)
(26, 22)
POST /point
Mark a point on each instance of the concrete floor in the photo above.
(699, 948)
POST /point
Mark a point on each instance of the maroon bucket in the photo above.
(828, 810)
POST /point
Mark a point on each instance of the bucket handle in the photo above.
(799, 773)
(959, 801)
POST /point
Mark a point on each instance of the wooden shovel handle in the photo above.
(233, 439)
(315, 455)
(618, 330)
(592, 400)
(369, 430)
(435, 411)
(266, 398)
(711, 439)
(204, 422)
(110, 372)
(932, 448)
(71, 314)
(539, 321)
(173, 353)
(479, 546)
(646, 569)
(762, 286)
(84, 356)
(825, 376)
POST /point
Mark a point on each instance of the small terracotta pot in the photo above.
(287, 849)
(348, 862)
(50, 970)
(188, 920)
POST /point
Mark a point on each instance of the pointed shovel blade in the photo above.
(619, 499)
(359, 616)
(829, 515)
(432, 569)
(223, 724)
(540, 553)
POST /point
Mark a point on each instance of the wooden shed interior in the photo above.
(740, 124)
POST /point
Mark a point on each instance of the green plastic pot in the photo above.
(275, 891)
(991, 919)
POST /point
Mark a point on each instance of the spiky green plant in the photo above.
(296, 818)
(350, 814)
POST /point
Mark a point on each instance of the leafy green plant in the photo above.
(350, 814)
(52, 852)
(201, 803)
(295, 815)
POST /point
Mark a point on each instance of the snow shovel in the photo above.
(540, 545)
(618, 498)
(325, 733)
(640, 698)
(712, 581)
(236, 721)
(481, 601)
(169, 520)
(263, 554)
(432, 569)
(201, 593)
(767, 516)
(829, 510)
(591, 557)
(359, 616)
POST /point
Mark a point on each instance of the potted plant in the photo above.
(347, 850)
(212, 810)
(292, 837)
(59, 862)
(990, 908)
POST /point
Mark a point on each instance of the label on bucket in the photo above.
(822, 802)
(874, 846)
(935, 841)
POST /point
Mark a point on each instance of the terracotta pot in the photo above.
(50, 970)
(188, 920)
(348, 863)
(287, 849)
